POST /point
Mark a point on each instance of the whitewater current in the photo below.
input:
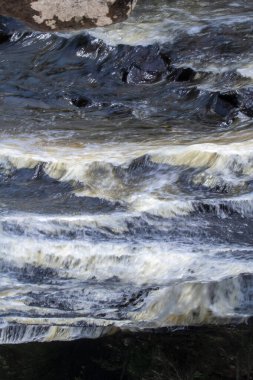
(126, 173)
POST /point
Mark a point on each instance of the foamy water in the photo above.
(126, 174)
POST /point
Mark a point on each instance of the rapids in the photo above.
(126, 173)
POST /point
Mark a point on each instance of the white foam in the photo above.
(182, 275)
(246, 71)
(150, 23)
(145, 262)
(93, 167)
(194, 303)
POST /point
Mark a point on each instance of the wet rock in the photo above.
(230, 98)
(182, 74)
(122, 63)
(246, 101)
(39, 171)
(230, 103)
(137, 76)
(141, 163)
(29, 273)
(224, 103)
(5, 32)
(141, 64)
(211, 208)
(4, 37)
(41, 193)
(215, 106)
(136, 298)
(80, 101)
(64, 14)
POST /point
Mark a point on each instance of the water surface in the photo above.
(126, 173)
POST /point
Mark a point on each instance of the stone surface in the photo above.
(51, 15)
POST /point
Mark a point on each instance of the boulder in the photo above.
(53, 15)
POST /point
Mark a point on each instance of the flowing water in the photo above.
(126, 173)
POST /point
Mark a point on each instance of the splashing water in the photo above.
(126, 173)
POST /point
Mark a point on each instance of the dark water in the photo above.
(206, 353)
(126, 177)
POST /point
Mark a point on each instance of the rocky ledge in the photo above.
(50, 15)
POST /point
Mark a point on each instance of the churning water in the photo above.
(126, 173)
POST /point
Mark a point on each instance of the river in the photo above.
(126, 174)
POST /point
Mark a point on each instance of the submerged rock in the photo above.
(67, 14)
(4, 37)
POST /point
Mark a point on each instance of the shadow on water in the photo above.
(196, 353)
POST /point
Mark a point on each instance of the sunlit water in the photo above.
(126, 173)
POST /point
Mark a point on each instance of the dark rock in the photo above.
(223, 104)
(246, 101)
(230, 98)
(182, 74)
(137, 76)
(141, 64)
(39, 171)
(80, 101)
(4, 37)
(140, 163)
(210, 208)
(41, 193)
(29, 273)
